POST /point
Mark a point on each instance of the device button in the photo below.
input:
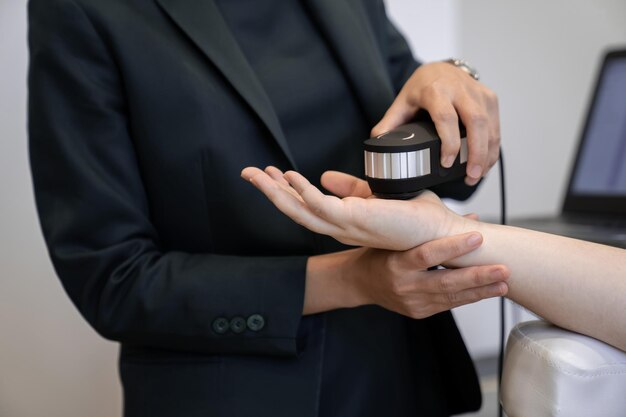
(397, 134)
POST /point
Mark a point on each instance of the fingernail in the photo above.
(475, 171)
(471, 181)
(500, 288)
(447, 161)
(474, 239)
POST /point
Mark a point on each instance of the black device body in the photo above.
(406, 160)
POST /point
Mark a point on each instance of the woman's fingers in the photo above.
(446, 289)
(476, 121)
(278, 175)
(447, 124)
(401, 111)
(327, 207)
(494, 127)
(461, 285)
(440, 251)
(249, 172)
(453, 287)
(473, 295)
(288, 203)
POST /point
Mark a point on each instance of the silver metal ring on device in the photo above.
(397, 165)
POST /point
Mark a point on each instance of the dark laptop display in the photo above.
(595, 202)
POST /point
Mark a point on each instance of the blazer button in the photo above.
(256, 322)
(238, 324)
(220, 325)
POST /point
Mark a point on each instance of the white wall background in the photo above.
(540, 57)
(51, 363)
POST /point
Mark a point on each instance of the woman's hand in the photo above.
(400, 281)
(448, 92)
(355, 219)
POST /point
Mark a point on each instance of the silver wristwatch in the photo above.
(465, 66)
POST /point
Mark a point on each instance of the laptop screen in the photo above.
(598, 180)
(602, 165)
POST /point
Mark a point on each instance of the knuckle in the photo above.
(431, 92)
(458, 246)
(493, 157)
(412, 101)
(414, 314)
(318, 210)
(491, 97)
(478, 117)
(396, 288)
(450, 146)
(477, 277)
(495, 139)
(473, 296)
(321, 207)
(419, 312)
(445, 116)
(392, 262)
(426, 256)
(452, 298)
(446, 285)
(440, 84)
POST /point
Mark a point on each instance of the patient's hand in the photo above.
(355, 218)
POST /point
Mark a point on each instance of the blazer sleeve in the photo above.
(400, 60)
(95, 215)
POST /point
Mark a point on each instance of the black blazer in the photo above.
(141, 115)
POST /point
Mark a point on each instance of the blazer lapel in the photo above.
(203, 23)
(347, 30)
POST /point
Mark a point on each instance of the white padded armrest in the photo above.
(551, 372)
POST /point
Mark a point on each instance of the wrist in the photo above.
(331, 282)
(354, 270)
(460, 225)
(454, 224)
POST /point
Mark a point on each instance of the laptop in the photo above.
(594, 207)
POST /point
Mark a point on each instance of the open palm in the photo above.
(353, 217)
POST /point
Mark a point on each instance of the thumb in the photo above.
(400, 112)
(345, 185)
(472, 216)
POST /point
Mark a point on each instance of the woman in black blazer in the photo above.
(142, 114)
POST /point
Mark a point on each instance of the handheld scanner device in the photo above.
(402, 162)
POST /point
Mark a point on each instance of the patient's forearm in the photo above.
(577, 285)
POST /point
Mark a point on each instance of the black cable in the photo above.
(502, 304)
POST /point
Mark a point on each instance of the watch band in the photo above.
(465, 66)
